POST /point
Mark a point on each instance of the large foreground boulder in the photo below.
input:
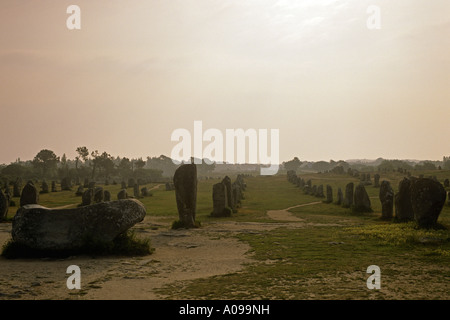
(427, 199)
(42, 228)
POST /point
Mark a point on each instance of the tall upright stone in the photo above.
(329, 194)
(361, 199)
(387, 200)
(80, 191)
(427, 200)
(236, 193)
(54, 186)
(340, 197)
(17, 186)
(220, 201)
(66, 184)
(4, 205)
(376, 179)
(29, 195)
(122, 194)
(98, 195)
(106, 196)
(185, 182)
(319, 192)
(44, 187)
(87, 198)
(136, 191)
(230, 199)
(348, 199)
(402, 199)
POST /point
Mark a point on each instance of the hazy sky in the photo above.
(139, 69)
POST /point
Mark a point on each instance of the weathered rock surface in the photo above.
(361, 199)
(4, 205)
(348, 199)
(220, 201)
(185, 182)
(41, 228)
(387, 200)
(29, 195)
(427, 200)
(403, 207)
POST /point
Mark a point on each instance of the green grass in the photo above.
(328, 258)
(325, 259)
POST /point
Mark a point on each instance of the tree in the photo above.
(102, 161)
(139, 163)
(293, 164)
(46, 160)
(83, 154)
(124, 167)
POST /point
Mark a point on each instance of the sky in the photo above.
(139, 69)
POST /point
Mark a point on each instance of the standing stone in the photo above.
(4, 205)
(238, 193)
(307, 189)
(54, 187)
(66, 184)
(446, 183)
(309, 183)
(87, 198)
(106, 196)
(329, 194)
(80, 191)
(123, 185)
(230, 199)
(403, 207)
(376, 179)
(86, 183)
(145, 192)
(361, 199)
(220, 201)
(319, 192)
(44, 187)
(387, 200)
(122, 194)
(340, 197)
(29, 195)
(185, 182)
(314, 190)
(136, 191)
(98, 195)
(131, 183)
(427, 199)
(16, 187)
(348, 200)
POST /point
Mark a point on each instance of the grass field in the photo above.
(326, 258)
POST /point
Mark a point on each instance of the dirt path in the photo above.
(179, 255)
(285, 215)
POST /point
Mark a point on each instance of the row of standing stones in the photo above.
(97, 219)
(226, 195)
(420, 199)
